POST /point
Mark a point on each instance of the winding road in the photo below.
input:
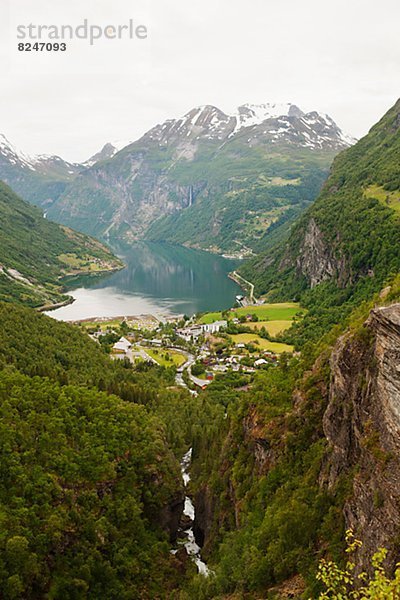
(240, 279)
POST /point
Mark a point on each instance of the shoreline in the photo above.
(70, 299)
(239, 256)
(117, 318)
(70, 283)
(50, 307)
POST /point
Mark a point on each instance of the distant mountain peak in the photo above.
(13, 154)
(108, 151)
(39, 162)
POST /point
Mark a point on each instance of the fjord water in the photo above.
(159, 279)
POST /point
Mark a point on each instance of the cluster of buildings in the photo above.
(193, 332)
(234, 362)
(235, 358)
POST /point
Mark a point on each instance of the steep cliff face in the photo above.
(316, 259)
(362, 425)
(217, 512)
(288, 481)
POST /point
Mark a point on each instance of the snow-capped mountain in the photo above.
(205, 170)
(254, 114)
(39, 179)
(9, 152)
(310, 130)
(43, 163)
(272, 123)
(206, 122)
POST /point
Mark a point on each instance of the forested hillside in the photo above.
(251, 193)
(90, 491)
(36, 253)
(346, 244)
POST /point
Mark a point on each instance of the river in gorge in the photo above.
(188, 539)
(159, 279)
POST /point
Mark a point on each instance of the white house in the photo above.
(260, 362)
(123, 345)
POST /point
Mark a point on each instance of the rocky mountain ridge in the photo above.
(109, 150)
(282, 122)
(38, 179)
(42, 163)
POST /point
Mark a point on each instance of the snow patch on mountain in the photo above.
(282, 121)
(14, 155)
(255, 114)
(39, 162)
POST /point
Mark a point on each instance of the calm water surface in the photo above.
(159, 279)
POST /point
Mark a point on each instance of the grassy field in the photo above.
(391, 199)
(101, 325)
(82, 264)
(273, 327)
(160, 355)
(284, 311)
(210, 317)
(246, 338)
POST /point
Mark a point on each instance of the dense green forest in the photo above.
(91, 488)
(90, 453)
(35, 253)
(347, 241)
(89, 465)
(84, 478)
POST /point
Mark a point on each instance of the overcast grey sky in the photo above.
(341, 57)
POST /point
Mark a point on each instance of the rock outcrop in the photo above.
(362, 425)
(205, 503)
(170, 517)
(317, 260)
